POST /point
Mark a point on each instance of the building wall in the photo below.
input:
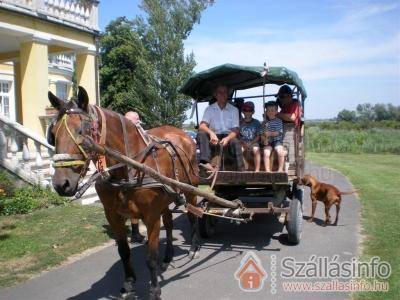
(7, 77)
(32, 78)
(55, 78)
(47, 29)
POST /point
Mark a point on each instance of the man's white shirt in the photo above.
(221, 121)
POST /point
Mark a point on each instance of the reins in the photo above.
(90, 127)
(69, 160)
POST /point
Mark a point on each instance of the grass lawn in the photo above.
(378, 178)
(34, 242)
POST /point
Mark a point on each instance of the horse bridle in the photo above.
(62, 160)
(89, 127)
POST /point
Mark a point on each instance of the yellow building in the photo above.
(40, 43)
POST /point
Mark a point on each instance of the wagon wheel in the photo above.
(294, 222)
(207, 226)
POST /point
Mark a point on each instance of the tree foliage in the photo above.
(127, 75)
(367, 112)
(347, 115)
(144, 64)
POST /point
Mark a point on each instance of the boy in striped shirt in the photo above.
(272, 136)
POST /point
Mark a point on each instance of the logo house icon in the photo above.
(251, 274)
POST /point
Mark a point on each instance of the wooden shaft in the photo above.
(91, 146)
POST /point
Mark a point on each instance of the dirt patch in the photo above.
(21, 263)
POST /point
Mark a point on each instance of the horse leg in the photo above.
(194, 234)
(117, 223)
(153, 233)
(169, 249)
(136, 237)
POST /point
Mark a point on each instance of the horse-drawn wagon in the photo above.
(273, 193)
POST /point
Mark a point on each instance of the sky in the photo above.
(346, 52)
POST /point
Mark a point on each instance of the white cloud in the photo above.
(312, 59)
(364, 11)
(359, 16)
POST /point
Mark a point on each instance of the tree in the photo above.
(365, 112)
(143, 61)
(163, 31)
(127, 75)
(393, 112)
(381, 112)
(347, 115)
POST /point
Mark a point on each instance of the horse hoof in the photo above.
(127, 292)
(155, 293)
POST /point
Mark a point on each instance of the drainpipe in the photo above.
(97, 43)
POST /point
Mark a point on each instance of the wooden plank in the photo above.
(243, 178)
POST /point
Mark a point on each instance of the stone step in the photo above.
(30, 168)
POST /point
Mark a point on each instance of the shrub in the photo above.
(373, 140)
(359, 125)
(27, 199)
(6, 184)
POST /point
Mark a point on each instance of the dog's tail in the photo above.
(348, 193)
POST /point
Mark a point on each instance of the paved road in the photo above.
(99, 275)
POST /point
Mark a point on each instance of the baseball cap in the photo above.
(248, 106)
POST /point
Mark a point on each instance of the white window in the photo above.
(5, 95)
(62, 90)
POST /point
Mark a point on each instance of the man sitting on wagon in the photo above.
(290, 109)
(220, 126)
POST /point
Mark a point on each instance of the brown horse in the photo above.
(147, 203)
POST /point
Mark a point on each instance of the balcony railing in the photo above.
(29, 156)
(73, 12)
(16, 156)
(61, 61)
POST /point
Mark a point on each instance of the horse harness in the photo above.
(90, 127)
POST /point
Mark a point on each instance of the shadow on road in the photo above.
(236, 239)
(317, 221)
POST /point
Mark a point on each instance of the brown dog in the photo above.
(327, 193)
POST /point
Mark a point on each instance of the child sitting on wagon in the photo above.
(250, 134)
(272, 136)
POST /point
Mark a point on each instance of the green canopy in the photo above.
(200, 86)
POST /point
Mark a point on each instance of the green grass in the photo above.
(34, 242)
(374, 140)
(378, 178)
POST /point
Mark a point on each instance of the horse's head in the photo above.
(70, 159)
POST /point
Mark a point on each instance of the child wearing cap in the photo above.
(250, 134)
(272, 136)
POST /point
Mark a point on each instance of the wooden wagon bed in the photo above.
(250, 178)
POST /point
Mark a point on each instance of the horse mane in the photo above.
(67, 106)
(72, 103)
